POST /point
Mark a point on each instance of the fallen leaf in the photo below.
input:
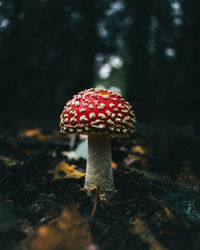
(30, 132)
(114, 165)
(139, 227)
(130, 160)
(135, 157)
(65, 171)
(9, 162)
(38, 135)
(140, 150)
(70, 231)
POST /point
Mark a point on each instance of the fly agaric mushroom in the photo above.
(100, 114)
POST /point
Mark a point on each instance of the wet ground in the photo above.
(157, 204)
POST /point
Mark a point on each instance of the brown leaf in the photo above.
(139, 227)
(70, 231)
(65, 171)
(9, 162)
(138, 149)
(30, 132)
(135, 157)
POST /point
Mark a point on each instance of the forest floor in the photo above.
(43, 205)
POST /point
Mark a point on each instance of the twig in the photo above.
(86, 220)
(95, 204)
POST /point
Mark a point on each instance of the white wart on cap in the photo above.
(98, 111)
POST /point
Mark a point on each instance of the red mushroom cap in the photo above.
(98, 111)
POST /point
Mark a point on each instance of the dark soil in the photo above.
(157, 205)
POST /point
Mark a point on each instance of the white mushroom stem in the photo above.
(99, 164)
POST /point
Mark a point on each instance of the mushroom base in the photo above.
(99, 171)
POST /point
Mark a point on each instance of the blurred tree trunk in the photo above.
(89, 46)
(137, 53)
(191, 49)
(162, 84)
(9, 74)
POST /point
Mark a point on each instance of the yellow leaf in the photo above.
(70, 231)
(65, 171)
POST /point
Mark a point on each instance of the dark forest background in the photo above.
(51, 49)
